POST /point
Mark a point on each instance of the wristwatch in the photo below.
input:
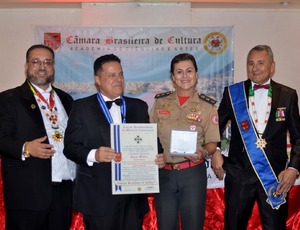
(207, 155)
(26, 152)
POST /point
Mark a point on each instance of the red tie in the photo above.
(256, 86)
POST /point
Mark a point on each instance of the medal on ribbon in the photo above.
(254, 145)
(57, 136)
(194, 116)
(280, 114)
(275, 197)
(49, 110)
(261, 142)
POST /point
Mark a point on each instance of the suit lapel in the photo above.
(102, 124)
(32, 108)
(276, 91)
(247, 86)
(64, 100)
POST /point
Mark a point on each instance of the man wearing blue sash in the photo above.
(87, 142)
(261, 112)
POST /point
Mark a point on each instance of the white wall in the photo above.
(16, 36)
(278, 28)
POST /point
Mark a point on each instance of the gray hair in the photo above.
(263, 48)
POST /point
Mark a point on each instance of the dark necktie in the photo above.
(118, 102)
(256, 86)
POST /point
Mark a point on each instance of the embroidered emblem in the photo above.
(215, 119)
(245, 125)
(193, 127)
(280, 114)
(165, 112)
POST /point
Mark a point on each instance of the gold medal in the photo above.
(57, 136)
(261, 143)
(276, 194)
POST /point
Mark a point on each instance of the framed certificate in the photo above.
(183, 143)
(134, 170)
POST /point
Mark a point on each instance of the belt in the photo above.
(182, 165)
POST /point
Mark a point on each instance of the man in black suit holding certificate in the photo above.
(88, 144)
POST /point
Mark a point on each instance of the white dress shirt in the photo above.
(261, 106)
(115, 112)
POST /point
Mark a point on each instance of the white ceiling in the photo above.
(256, 4)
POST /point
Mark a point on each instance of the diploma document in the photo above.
(134, 170)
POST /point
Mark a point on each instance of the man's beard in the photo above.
(40, 81)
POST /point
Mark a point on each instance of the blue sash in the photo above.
(257, 156)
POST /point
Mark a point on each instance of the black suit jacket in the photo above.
(237, 163)
(88, 129)
(27, 184)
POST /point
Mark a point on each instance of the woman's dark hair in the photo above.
(183, 57)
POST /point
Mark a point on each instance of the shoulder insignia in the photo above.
(207, 99)
(160, 95)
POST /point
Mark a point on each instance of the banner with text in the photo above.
(146, 54)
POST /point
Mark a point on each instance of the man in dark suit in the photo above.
(37, 177)
(88, 144)
(257, 168)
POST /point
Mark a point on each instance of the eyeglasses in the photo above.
(38, 63)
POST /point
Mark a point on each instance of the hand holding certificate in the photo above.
(134, 170)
